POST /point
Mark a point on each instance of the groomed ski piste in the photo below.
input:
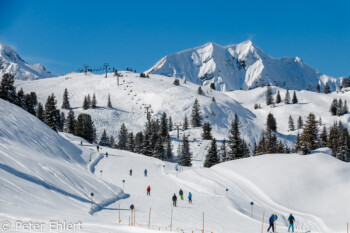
(48, 176)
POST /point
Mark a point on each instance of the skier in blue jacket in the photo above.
(145, 172)
(272, 220)
(291, 220)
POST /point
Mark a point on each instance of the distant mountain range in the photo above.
(241, 66)
(11, 62)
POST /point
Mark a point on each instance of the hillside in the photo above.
(11, 62)
(240, 66)
(130, 98)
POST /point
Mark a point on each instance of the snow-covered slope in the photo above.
(239, 66)
(11, 62)
(41, 172)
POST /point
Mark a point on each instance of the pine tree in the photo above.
(271, 124)
(200, 91)
(60, 121)
(300, 123)
(94, 101)
(51, 116)
(320, 121)
(223, 152)
(212, 157)
(65, 102)
(212, 86)
(111, 142)
(104, 141)
(287, 98)
(334, 107)
(109, 103)
(185, 124)
(130, 145)
(318, 88)
(291, 123)
(184, 158)
(146, 146)
(123, 137)
(138, 142)
(70, 122)
(196, 117)
(235, 143)
(159, 151)
(170, 124)
(295, 99)
(268, 96)
(85, 127)
(327, 89)
(40, 112)
(168, 148)
(21, 102)
(206, 135)
(213, 99)
(340, 107)
(89, 101)
(278, 97)
(297, 146)
(345, 108)
(163, 129)
(30, 104)
(86, 103)
(7, 88)
(324, 137)
(309, 137)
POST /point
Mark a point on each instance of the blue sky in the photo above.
(64, 35)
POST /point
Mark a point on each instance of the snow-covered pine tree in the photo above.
(184, 159)
(318, 88)
(146, 146)
(185, 123)
(111, 141)
(94, 101)
(109, 103)
(327, 89)
(65, 102)
(334, 107)
(278, 97)
(7, 88)
(287, 98)
(51, 116)
(212, 157)
(40, 112)
(123, 137)
(271, 124)
(163, 128)
(85, 127)
(268, 96)
(104, 141)
(340, 107)
(159, 151)
(294, 99)
(310, 138)
(170, 124)
(235, 144)
(345, 107)
(196, 116)
(89, 100)
(300, 123)
(200, 91)
(324, 137)
(206, 135)
(223, 152)
(130, 144)
(291, 123)
(85, 103)
(138, 142)
(70, 122)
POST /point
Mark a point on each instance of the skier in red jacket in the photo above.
(149, 190)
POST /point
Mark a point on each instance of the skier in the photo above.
(106, 154)
(149, 190)
(145, 172)
(272, 220)
(190, 198)
(181, 193)
(130, 172)
(98, 148)
(174, 200)
(81, 143)
(291, 220)
(132, 207)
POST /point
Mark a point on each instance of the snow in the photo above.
(11, 62)
(49, 176)
(242, 65)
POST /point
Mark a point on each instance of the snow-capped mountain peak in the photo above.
(11, 62)
(240, 66)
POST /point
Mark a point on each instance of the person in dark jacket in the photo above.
(272, 220)
(174, 200)
(130, 172)
(149, 190)
(291, 220)
(181, 193)
(132, 207)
